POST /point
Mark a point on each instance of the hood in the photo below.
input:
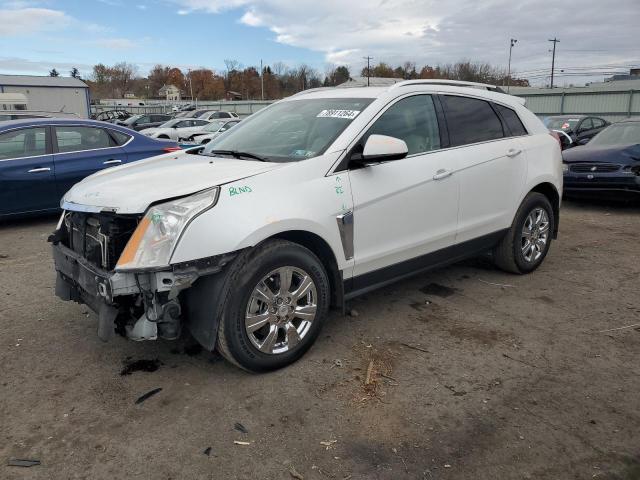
(150, 131)
(620, 154)
(133, 187)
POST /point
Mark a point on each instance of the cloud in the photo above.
(40, 67)
(27, 21)
(141, 7)
(433, 31)
(115, 43)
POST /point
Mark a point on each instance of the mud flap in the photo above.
(106, 319)
(201, 306)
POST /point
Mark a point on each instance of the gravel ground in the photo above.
(473, 374)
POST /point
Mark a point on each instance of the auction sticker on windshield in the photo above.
(348, 114)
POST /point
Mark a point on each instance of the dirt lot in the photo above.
(468, 379)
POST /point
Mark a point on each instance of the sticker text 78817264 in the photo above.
(346, 114)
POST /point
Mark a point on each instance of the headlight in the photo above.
(157, 234)
(565, 168)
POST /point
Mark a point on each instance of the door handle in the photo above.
(112, 161)
(512, 152)
(440, 174)
(38, 170)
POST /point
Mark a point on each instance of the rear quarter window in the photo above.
(510, 117)
(119, 137)
(471, 120)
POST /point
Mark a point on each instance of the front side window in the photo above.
(586, 124)
(510, 117)
(471, 120)
(412, 119)
(292, 130)
(27, 142)
(72, 139)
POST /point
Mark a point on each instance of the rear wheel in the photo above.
(277, 304)
(527, 242)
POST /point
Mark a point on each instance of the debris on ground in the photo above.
(337, 363)
(620, 328)
(503, 285)
(140, 366)
(353, 312)
(207, 451)
(329, 444)
(241, 428)
(20, 462)
(4, 255)
(414, 347)
(295, 474)
(367, 380)
(147, 395)
(238, 442)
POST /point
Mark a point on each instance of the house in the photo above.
(50, 94)
(170, 92)
(230, 95)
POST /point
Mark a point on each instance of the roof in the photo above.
(40, 81)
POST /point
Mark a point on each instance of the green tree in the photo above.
(53, 73)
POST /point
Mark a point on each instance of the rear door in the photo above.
(27, 182)
(80, 151)
(491, 162)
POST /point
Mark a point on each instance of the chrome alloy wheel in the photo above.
(535, 234)
(281, 310)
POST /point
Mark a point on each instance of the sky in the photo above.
(595, 36)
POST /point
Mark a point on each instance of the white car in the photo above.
(211, 131)
(176, 129)
(315, 199)
(218, 115)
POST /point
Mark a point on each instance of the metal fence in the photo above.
(243, 108)
(612, 105)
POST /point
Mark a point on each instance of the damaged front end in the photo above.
(100, 261)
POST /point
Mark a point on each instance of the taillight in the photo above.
(171, 149)
(557, 137)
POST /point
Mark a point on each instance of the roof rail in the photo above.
(451, 83)
(302, 92)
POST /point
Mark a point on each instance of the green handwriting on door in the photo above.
(238, 190)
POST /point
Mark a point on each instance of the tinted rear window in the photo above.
(514, 124)
(471, 121)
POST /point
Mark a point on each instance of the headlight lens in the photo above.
(565, 168)
(157, 234)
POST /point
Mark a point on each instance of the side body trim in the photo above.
(387, 275)
(345, 226)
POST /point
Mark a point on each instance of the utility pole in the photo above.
(553, 58)
(368, 59)
(191, 87)
(261, 81)
(513, 42)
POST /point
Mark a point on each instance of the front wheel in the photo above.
(527, 242)
(278, 301)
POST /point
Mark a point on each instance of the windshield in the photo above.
(213, 126)
(169, 124)
(292, 130)
(132, 119)
(618, 134)
(561, 123)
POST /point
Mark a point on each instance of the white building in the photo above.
(171, 93)
(50, 94)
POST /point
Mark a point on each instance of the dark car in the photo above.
(609, 163)
(111, 116)
(145, 120)
(579, 128)
(40, 159)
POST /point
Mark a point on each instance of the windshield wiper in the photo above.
(237, 154)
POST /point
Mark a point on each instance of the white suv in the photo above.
(248, 241)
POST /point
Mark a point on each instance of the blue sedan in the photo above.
(40, 159)
(607, 165)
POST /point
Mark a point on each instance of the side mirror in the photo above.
(583, 141)
(382, 148)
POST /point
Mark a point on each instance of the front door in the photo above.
(27, 182)
(82, 151)
(403, 209)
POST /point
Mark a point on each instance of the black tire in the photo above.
(508, 254)
(164, 137)
(243, 276)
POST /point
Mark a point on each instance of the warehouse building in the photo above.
(49, 94)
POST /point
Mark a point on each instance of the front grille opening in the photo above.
(98, 237)
(594, 167)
